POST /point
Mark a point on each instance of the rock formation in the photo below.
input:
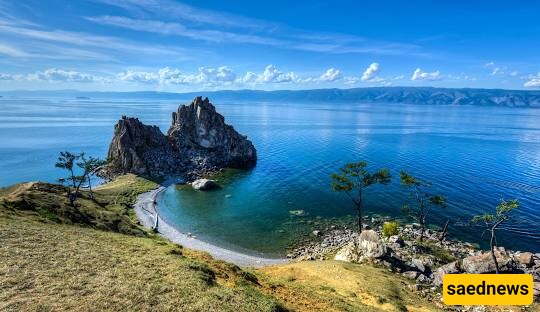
(198, 141)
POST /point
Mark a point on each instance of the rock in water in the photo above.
(204, 184)
(198, 141)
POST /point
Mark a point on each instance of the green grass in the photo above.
(110, 209)
(51, 267)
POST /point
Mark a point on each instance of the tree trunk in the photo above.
(492, 244)
(445, 229)
(422, 226)
(359, 221)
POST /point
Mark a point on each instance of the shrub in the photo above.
(390, 228)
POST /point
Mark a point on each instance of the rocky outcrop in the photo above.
(197, 142)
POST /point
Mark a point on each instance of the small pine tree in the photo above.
(352, 179)
(493, 221)
(423, 199)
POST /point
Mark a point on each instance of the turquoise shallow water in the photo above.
(473, 155)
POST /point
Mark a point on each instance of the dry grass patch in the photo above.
(339, 286)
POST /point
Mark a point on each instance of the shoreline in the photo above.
(145, 209)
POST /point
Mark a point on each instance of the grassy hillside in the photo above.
(96, 257)
(56, 257)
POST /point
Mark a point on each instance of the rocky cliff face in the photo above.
(198, 141)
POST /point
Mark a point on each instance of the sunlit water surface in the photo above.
(473, 155)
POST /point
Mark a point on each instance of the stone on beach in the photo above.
(204, 184)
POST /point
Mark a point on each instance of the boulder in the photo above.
(368, 246)
(348, 253)
(536, 290)
(450, 268)
(198, 140)
(525, 258)
(204, 184)
(418, 265)
(411, 274)
(396, 241)
(483, 263)
(423, 279)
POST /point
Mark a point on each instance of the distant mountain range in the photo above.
(405, 95)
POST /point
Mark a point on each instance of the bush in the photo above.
(390, 228)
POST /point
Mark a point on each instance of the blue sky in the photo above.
(167, 45)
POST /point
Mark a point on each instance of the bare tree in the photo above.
(493, 222)
(352, 179)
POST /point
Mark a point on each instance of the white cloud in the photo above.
(177, 29)
(533, 81)
(59, 75)
(207, 76)
(418, 74)
(514, 73)
(495, 71)
(349, 80)
(489, 65)
(331, 74)
(212, 75)
(250, 77)
(371, 72)
(138, 76)
(272, 75)
(12, 51)
(6, 77)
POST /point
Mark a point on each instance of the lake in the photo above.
(473, 155)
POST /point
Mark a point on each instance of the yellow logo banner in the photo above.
(488, 289)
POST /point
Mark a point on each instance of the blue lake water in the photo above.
(473, 155)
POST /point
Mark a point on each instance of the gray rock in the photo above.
(525, 258)
(198, 141)
(396, 241)
(368, 246)
(348, 253)
(204, 184)
(423, 279)
(483, 263)
(418, 264)
(316, 233)
(411, 274)
(450, 268)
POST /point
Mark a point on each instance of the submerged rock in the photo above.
(198, 141)
(204, 184)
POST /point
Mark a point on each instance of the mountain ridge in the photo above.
(397, 95)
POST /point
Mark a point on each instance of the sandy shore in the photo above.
(145, 208)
